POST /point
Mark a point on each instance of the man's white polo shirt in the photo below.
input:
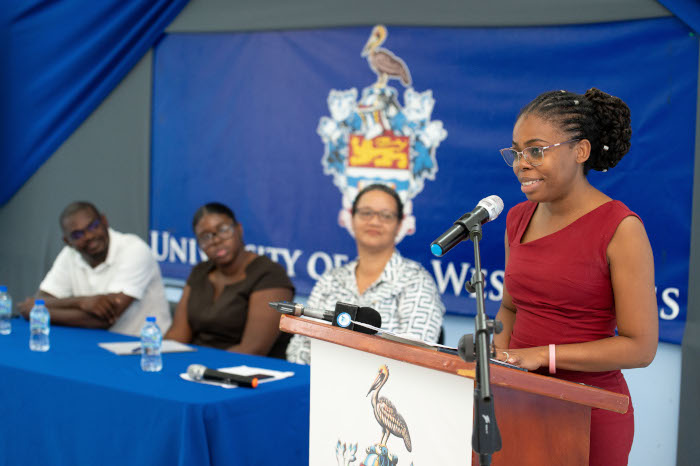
(130, 268)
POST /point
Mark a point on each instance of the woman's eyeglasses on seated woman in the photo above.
(224, 231)
(384, 216)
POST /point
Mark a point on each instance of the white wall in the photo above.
(655, 394)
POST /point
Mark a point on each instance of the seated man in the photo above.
(102, 278)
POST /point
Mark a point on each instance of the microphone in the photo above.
(486, 210)
(343, 316)
(198, 372)
(466, 349)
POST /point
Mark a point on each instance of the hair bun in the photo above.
(613, 121)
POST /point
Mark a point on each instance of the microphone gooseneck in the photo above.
(344, 315)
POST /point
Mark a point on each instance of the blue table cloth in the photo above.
(79, 404)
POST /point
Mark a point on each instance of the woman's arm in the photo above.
(262, 325)
(632, 275)
(180, 329)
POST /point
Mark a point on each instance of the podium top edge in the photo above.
(432, 359)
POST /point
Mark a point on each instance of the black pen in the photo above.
(137, 349)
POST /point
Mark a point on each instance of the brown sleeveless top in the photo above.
(220, 323)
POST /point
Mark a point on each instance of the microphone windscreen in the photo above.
(465, 347)
(196, 371)
(493, 204)
(368, 316)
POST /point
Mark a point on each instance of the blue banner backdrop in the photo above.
(285, 126)
(63, 59)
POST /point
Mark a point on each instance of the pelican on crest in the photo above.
(386, 413)
(383, 62)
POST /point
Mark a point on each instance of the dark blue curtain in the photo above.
(59, 60)
(687, 11)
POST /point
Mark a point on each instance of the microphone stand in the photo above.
(486, 438)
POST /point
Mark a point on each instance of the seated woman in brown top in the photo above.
(224, 303)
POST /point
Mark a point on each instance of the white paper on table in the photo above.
(245, 371)
(134, 347)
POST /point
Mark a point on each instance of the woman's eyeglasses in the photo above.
(533, 155)
(384, 216)
(224, 231)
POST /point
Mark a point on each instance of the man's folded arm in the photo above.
(98, 311)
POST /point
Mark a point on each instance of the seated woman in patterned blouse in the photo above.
(401, 290)
(224, 304)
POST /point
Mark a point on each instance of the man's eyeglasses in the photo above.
(385, 216)
(533, 155)
(224, 231)
(76, 235)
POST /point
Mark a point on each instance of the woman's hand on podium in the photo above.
(527, 358)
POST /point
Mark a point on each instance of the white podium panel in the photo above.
(367, 409)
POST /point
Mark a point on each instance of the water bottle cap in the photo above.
(150, 319)
(3, 289)
(38, 302)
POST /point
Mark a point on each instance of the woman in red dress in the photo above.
(578, 264)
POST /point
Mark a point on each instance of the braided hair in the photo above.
(602, 119)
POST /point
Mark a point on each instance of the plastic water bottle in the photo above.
(39, 325)
(5, 311)
(151, 340)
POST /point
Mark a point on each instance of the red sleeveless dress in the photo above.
(561, 289)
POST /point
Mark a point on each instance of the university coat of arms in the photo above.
(376, 139)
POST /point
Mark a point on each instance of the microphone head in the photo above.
(196, 371)
(436, 249)
(465, 347)
(493, 205)
(368, 316)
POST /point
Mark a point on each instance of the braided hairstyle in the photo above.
(602, 119)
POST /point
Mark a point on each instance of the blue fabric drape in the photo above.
(59, 59)
(63, 59)
(687, 11)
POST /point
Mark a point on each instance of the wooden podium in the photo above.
(542, 420)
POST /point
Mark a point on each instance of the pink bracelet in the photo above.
(552, 360)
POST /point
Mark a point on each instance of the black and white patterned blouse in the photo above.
(405, 295)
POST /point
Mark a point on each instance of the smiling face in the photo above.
(86, 232)
(562, 166)
(219, 238)
(375, 221)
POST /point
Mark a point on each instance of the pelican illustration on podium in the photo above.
(386, 413)
(391, 423)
